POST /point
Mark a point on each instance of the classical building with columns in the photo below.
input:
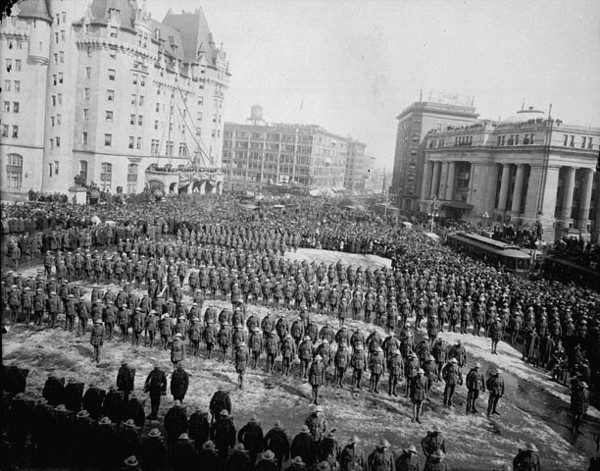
(526, 170)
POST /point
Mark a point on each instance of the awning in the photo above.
(456, 205)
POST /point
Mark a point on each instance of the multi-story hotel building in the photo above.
(101, 92)
(257, 153)
(413, 124)
(528, 170)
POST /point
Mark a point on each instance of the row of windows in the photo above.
(60, 36)
(9, 65)
(513, 140)
(59, 16)
(15, 85)
(586, 142)
(138, 142)
(59, 57)
(6, 129)
(15, 107)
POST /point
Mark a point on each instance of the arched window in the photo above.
(83, 170)
(106, 176)
(132, 178)
(14, 171)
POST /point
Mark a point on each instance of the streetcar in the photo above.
(513, 258)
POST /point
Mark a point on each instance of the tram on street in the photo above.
(511, 257)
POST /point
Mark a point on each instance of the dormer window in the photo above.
(114, 31)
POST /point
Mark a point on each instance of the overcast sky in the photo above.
(353, 65)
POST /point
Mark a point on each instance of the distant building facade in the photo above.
(258, 153)
(357, 167)
(103, 92)
(413, 125)
(526, 170)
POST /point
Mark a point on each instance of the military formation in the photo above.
(156, 261)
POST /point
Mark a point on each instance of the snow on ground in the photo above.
(533, 409)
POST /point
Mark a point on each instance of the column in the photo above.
(567, 196)
(585, 200)
(450, 181)
(503, 198)
(443, 181)
(437, 170)
(518, 191)
(426, 184)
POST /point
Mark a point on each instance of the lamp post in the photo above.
(433, 214)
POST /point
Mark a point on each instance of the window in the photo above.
(110, 95)
(8, 65)
(131, 141)
(64, 16)
(7, 106)
(140, 120)
(7, 85)
(133, 98)
(61, 55)
(54, 79)
(138, 145)
(132, 177)
(135, 79)
(62, 35)
(583, 142)
(169, 148)
(83, 168)
(52, 120)
(199, 116)
(157, 108)
(109, 116)
(17, 85)
(58, 120)
(56, 167)
(590, 144)
(57, 141)
(51, 143)
(154, 147)
(55, 59)
(14, 171)
(142, 81)
(60, 77)
(106, 176)
(566, 141)
(86, 93)
(86, 114)
(111, 74)
(572, 143)
(107, 140)
(50, 169)
(15, 132)
(156, 125)
(200, 101)
(59, 96)
(182, 150)
(132, 119)
(5, 130)
(88, 72)
(112, 55)
(141, 100)
(114, 31)
(84, 138)
(56, 37)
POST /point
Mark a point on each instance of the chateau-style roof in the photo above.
(34, 9)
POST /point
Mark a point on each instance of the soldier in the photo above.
(156, 386)
(92, 401)
(255, 342)
(277, 441)
(137, 325)
(341, 361)
(475, 384)
(73, 395)
(271, 351)
(418, 393)
(150, 327)
(175, 422)
(358, 363)
(183, 454)
(527, 459)
(165, 330)
(223, 433)
(377, 367)
(317, 424)
(436, 462)
(252, 437)
(452, 376)
(208, 458)
(495, 387)
(27, 306)
(180, 381)
(154, 451)
(411, 370)
(177, 350)
(352, 457)
(83, 430)
(54, 306)
(219, 401)
(496, 330)
(224, 340)
(382, 458)
(210, 336)
(199, 427)
(305, 354)
(396, 370)
(408, 460)
(109, 316)
(97, 339)
(433, 441)
(195, 334)
(127, 439)
(125, 379)
(304, 446)
(579, 403)
(134, 409)
(241, 358)
(316, 377)
(123, 317)
(39, 303)
(288, 352)
(113, 406)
